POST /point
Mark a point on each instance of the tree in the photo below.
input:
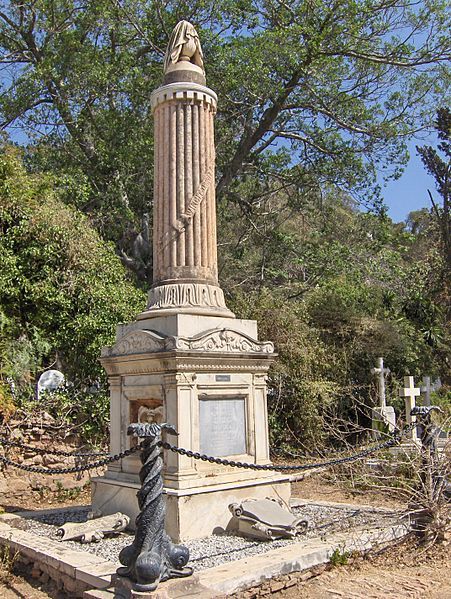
(440, 169)
(313, 95)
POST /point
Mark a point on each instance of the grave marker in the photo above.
(50, 380)
(383, 416)
(409, 392)
(427, 388)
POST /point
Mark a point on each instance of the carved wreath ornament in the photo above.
(223, 340)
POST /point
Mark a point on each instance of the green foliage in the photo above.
(339, 557)
(315, 98)
(7, 406)
(62, 289)
(438, 164)
(84, 411)
(313, 95)
(334, 294)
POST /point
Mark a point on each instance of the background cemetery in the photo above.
(357, 305)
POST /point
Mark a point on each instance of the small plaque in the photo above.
(222, 378)
(222, 426)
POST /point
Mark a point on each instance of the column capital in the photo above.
(183, 90)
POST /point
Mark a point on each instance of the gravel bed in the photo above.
(218, 549)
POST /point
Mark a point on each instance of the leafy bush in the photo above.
(62, 289)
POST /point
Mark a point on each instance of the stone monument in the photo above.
(186, 359)
(383, 416)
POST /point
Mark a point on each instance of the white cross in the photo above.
(410, 392)
(382, 372)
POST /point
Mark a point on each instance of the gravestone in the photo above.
(383, 416)
(427, 388)
(50, 380)
(187, 353)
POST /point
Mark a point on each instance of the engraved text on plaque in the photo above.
(222, 426)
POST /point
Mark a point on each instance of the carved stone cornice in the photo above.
(185, 92)
(186, 295)
(213, 341)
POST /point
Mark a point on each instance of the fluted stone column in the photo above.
(184, 232)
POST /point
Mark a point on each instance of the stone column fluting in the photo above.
(185, 272)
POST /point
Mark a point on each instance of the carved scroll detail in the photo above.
(224, 340)
(216, 340)
(136, 342)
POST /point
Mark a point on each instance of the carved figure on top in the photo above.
(184, 45)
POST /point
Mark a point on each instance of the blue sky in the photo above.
(410, 191)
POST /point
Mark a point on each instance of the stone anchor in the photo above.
(152, 557)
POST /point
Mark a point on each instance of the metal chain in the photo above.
(73, 469)
(41, 450)
(396, 438)
(325, 454)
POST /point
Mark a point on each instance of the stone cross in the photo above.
(381, 372)
(410, 393)
(426, 389)
(383, 416)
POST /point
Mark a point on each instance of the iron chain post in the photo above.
(152, 557)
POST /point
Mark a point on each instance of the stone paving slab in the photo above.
(248, 572)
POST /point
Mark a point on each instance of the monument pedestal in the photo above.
(206, 375)
(191, 513)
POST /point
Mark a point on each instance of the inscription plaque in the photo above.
(222, 426)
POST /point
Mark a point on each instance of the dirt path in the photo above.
(402, 572)
(19, 587)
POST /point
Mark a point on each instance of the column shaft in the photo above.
(185, 263)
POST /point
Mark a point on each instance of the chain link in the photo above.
(394, 440)
(72, 469)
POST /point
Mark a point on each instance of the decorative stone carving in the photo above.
(148, 415)
(190, 93)
(94, 530)
(184, 45)
(216, 340)
(185, 271)
(183, 295)
(136, 342)
(224, 340)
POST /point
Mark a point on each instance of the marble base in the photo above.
(190, 513)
